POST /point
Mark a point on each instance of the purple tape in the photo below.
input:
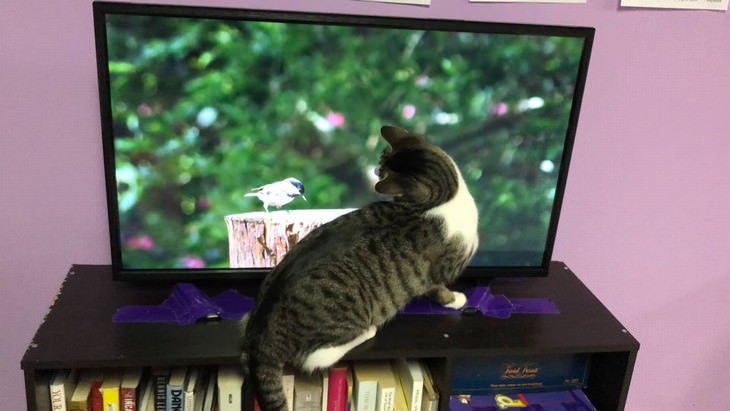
(186, 305)
(482, 300)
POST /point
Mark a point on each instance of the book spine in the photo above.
(96, 402)
(175, 400)
(160, 392)
(337, 390)
(366, 396)
(111, 399)
(414, 375)
(325, 389)
(58, 397)
(189, 400)
(128, 399)
(42, 393)
(416, 398)
(307, 393)
(288, 383)
(387, 399)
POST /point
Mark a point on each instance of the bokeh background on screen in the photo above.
(205, 110)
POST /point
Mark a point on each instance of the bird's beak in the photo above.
(305, 198)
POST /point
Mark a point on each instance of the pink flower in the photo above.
(144, 110)
(409, 110)
(500, 109)
(142, 242)
(190, 261)
(336, 120)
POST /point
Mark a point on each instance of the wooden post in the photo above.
(260, 239)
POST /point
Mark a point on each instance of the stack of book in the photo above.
(144, 389)
(398, 385)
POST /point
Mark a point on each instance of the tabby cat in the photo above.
(348, 277)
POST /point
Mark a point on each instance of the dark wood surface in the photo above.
(79, 332)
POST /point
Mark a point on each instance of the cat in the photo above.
(345, 279)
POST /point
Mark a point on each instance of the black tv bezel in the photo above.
(102, 8)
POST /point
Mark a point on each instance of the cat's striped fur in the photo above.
(348, 277)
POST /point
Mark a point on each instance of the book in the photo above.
(325, 378)
(337, 388)
(174, 392)
(386, 386)
(42, 384)
(307, 392)
(430, 400)
(146, 396)
(350, 390)
(81, 397)
(287, 381)
(400, 403)
(374, 385)
(230, 384)
(96, 402)
(159, 376)
(61, 388)
(192, 384)
(411, 379)
(201, 387)
(364, 389)
(129, 389)
(110, 390)
(209, 397)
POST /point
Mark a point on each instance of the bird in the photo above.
(278, 193)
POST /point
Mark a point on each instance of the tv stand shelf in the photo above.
(78, 333)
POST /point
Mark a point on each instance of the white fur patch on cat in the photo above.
(459, 301)
(326, 357)
(460, 215)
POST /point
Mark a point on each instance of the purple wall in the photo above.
(645, 225)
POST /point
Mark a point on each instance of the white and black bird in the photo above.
(279, 193)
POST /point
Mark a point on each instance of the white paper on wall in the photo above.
(678, 4)
(527, 1)
(412, 2)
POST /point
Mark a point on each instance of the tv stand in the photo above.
(78, 332)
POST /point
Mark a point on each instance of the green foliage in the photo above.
(205, 110)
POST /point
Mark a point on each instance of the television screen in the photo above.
(202, 107)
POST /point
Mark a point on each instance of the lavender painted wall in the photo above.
(645, 221)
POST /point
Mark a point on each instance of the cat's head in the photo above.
(413, 170)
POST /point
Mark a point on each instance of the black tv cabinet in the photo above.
(78, 332)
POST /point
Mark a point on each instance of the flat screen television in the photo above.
(202, 105)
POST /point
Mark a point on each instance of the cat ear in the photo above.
(393, 135)
(389, 186)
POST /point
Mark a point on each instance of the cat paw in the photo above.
(459, 301)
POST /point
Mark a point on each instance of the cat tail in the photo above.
(267, 379)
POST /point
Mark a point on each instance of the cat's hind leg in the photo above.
(447, 298)
(325, 357)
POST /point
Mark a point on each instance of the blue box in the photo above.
(566, 400)
(485, 375)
